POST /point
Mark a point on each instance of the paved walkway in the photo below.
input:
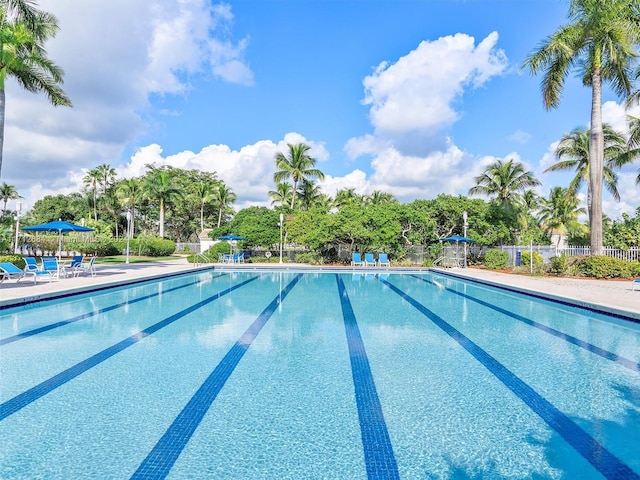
(609, 295)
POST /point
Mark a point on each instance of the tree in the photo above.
(502, 181)
(633, 143)
(204, 192)
(159, 186)
(23, 32)
(560, 211)
(298, 166)
(573, 153)
(223, 197)
(310, 195)
(599, 42)
(129, 192)
(282, 194)
(92, 180)
(379, 197)
(8, 192)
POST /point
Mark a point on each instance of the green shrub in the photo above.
(17, 260)
(496, 259)
(311, 258)
(538, 262)
(101, 247)
(145, 246)
(559, 265)
(605, 267)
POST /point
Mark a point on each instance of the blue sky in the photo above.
(411, 97)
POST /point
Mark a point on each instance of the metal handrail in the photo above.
(196, 263)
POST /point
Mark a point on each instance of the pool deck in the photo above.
(614, 296)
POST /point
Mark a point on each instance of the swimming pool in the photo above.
(316, 375)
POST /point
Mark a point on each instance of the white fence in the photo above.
(548, 251)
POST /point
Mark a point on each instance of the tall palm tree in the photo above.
(599, 42)
(296, 165)
(223, 198)
(502, 180)
(7, 192)
(282, 194)
(573, 153)
(560, 211)
(204, 193)
(92, 180)
(527, 206)
(23, 32)
(160, 186)
(129, 193)
(633, 143)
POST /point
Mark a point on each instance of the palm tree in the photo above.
(599, 42)
(8, 192)
(526, 206)
(204, 193)
(502, 181)
(560, 211)
(223, 197)
(297, 165)
(346, 196)
(633, 143)
(129, 193)
(92, 180)
(378, 197)
(310, 194)
(282, 194)
(573, 153)
(160, 186)
(23, 32)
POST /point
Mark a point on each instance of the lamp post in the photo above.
(464, 234)
(18, 208)
(128, 233)
(281, 226)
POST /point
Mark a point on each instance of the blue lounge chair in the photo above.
(356, 259)
(9, 270)
(50, 264)
(89, 268)
(369, 260)
(31, 264)
(633, 284)
(69, 267)
(383, 260)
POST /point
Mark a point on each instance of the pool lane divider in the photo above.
(610, 466)
(20, 401)
(614, 357)
(380, 460)
(62, 323)
(164, 454)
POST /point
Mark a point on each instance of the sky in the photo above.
(414, 98)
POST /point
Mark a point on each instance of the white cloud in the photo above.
(416, 94)
(114, 59)
(520, 136)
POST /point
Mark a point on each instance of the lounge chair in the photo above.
(70, 266)
(369, 260)
(9, 270)
(356, 259)
(31, 264)
(51, 265)
(383, 260)
(633, 284)
(89, 268)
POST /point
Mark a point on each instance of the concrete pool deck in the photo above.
(615, 296)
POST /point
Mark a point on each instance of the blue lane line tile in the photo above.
(165, 453)
(625, 362)
(62, 323)
(20, 401)
(604, 461)
(378, 451)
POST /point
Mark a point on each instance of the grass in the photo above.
(120, 259)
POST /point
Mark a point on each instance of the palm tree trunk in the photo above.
(293, 194)
(220, 216)
(596, 164)
(161, 218)
(2, 98)
(201, 217)
(95, 201)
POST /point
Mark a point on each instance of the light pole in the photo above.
(464, 234)
(281, 226)
(128, 233)
(18, 208)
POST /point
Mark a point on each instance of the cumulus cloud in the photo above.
(115, 59)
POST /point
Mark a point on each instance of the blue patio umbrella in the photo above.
(457, 238)
(60, 227)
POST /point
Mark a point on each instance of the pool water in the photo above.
(291, 375)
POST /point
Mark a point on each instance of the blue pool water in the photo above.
(259, 375)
